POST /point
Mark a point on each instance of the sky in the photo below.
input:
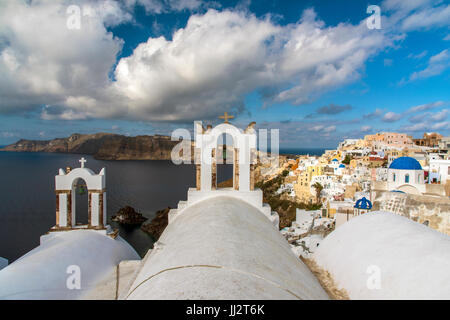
(318, 71)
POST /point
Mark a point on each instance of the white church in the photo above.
(221, 243)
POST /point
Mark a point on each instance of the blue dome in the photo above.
(405, 163)
(342, 165)
(363, 203)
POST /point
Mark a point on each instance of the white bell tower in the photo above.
(244, 158)
(65, 190)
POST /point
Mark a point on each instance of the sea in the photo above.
(302, 151)
(27, 197)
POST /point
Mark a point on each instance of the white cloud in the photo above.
(441, 125)
(317, 128)
(416, 127)
(437, 116)
(427, 126)
(391, 117)
(164, 6)
(43, 62)
(417, 14)
(405, 6)
(209, 66)
(419, 55)
(366, 128)
(426, 106)
(330, 129)
(436, 65)
(430, 17)
(220, 56)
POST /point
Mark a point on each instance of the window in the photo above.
(393, 177)
(406, 178)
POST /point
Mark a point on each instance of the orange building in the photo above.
(388, 139)
(429, 140)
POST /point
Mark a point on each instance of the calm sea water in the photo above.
(27, 198)
(303, 151)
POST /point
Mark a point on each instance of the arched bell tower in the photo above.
(244, 149)
(65, 190)
(244, 152)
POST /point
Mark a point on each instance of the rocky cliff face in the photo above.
(103, 146)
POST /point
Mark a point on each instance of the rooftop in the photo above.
(405, 163)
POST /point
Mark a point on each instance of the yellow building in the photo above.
(303, 186)
(330, 211)
(355, 163)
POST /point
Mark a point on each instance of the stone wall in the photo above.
(426, 189)
(433, 211)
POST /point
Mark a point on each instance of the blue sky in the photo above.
(312, 69)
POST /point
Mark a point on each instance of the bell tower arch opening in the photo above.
(80, 202)
(225, 162)
(242, 145)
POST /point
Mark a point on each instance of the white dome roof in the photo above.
(223, 248)
(413, 260)
(42, 272)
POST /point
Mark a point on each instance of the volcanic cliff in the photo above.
(103, 146)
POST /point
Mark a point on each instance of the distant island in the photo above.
(103, 146)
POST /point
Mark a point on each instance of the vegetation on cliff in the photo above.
(281, 203)
(156, 227)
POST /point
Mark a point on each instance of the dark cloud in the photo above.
(310, 116)
(333, 109)
(373, 115)
(330, 109)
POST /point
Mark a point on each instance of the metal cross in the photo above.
(226, 117)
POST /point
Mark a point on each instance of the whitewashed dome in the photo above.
(411, 260)
(42, 272)
(223, 248)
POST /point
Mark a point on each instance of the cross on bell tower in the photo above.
(82, 161)
(226, 117)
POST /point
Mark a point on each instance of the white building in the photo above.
(406, 174)
(381, 174)
(347, 143)
(288, 188)
(439, 171)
